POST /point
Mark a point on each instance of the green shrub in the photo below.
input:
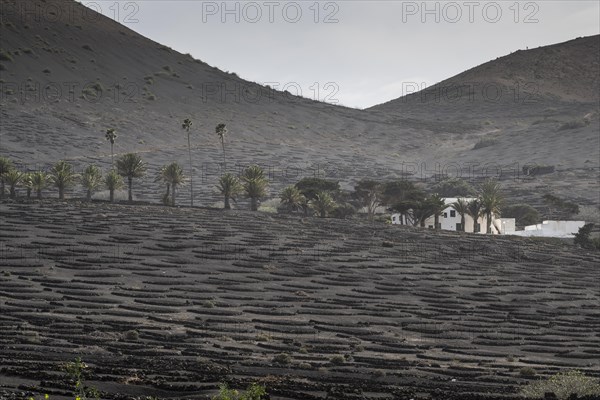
(5, 55)
(527, 372)
(524, 214)
(337, 360)
(282, 358)
(453, 187)
(485, 142)
(582, 238)
(573, 125)
(253, 392)
(561, 204)
(563, 385)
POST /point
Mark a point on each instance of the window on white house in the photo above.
(445, 215)
(452, 213)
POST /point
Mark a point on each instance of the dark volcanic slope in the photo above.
(216, 296)
(66, 76)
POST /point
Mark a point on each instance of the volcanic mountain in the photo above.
(68, 74)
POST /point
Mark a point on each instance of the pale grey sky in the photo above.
(358, 53)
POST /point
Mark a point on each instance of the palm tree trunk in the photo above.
(13, 192)
(422, 223)
(253, 204)
(39, 193)
(488, 224)
(112, 157)
(2, 189)
(191, 172)
(130, 181)
(463, 221)
(323, 213)
(61, 192)
(436, 221)
(89, 195)
(28, 192)
(227, 205)
(173, 197)
(224, 160)
(112, 195)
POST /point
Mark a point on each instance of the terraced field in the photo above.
(170, 302)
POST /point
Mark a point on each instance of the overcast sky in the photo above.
(367, 51)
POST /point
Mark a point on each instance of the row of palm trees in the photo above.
(62, 176)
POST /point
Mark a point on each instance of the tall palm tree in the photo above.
(475, 211)
(5, 166)
(404, 208)
(91, 180)
(229, 186)
(161, 177)
(187, 125)
(63, 176)
(323, 204)
(221, 131)
(421, 211)
(39, 181)
(255, 185)
(113, 181)
(292, 199)
(491, 200)
(462, 208)
(111, 136)
(13, 178)
(437, 206)
(174, 175)
(28, 183)
(131, 166)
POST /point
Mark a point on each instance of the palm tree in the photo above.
(131, 166)
(462, 208)
(91, 180)
(437, 206)
(292, 199)
(474, 210)
(63, 177)
(174, 175)
(404, 208)
(421, 211)
(221, 131)
(323, 204)
(39, 181)
(491, 200)
(113, 181)
(27, 183)
(13, 178)
(187, 125)
(255, 185)
(369, 194)
(5, 166)
(111, 136)
(229, 186)
(161, 177)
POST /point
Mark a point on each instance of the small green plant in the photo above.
(563, 385)
(5, 55)
(282, 358)
(253, 392)
(75, 371)
(582, 238)
(132, 335)
(487, 142)
(337, 360)
(527, 372)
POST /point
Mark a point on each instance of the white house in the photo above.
(558, 229)
(450, 219)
